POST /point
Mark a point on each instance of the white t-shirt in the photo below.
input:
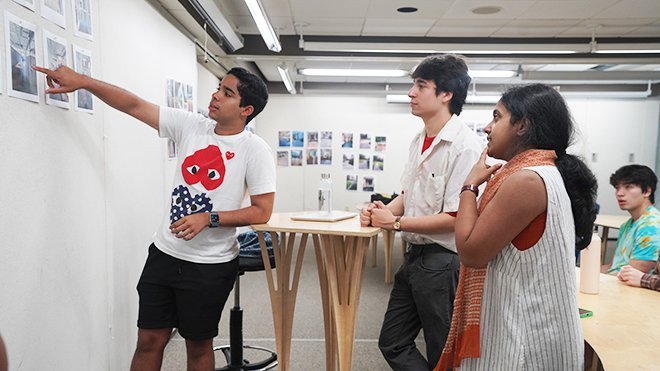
(213, 174)
(433, 180)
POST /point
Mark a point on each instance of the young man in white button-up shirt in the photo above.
(441, 156)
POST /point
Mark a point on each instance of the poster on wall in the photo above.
(326, 139)
(346, 140)
(312, 139)
(351, 182)
(312, 156)
(282, 158)
(296, 157)
(22, 55)
(53, 10)
(82, 63)
(348, 161)
(378, 163)
(284, 138)
(381, 144)
(55, 48)
(364, 162)
(26, 3)
(82, 18)
(297, 139)
(326, 157)
(365, 141)
(368, 184)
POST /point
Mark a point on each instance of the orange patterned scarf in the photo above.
(463, 339)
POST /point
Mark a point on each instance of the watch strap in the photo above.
(470, 187)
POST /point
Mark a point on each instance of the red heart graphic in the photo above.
(229, 155)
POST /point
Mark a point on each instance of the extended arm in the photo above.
(68, 81)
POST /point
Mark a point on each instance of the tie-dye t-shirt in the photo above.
(639, 240)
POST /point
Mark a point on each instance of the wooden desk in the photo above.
(340, 249)
(624, 330)
(607, 222)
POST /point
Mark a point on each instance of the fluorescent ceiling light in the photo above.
(349, 72)
(214, 19)
(471, 98)
(624, 51)
(263, 24)
(425, 48)
(491, 73)
(286, 78)
(607, 94)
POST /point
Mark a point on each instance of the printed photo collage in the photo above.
(24, 47)
(364, 153)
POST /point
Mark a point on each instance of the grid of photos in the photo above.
(179, 95)
(311, 148)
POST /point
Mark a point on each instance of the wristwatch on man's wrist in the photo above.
(214, 219)
(397, 223)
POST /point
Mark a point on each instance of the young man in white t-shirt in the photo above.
(193, 261)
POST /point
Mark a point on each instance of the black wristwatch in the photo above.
(214, 219)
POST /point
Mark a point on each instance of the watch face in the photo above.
(397, 226)
(215, 220)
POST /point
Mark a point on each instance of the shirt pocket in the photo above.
(434, 192)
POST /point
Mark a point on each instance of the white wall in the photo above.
(609, 128)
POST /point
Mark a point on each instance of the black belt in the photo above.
(435, 247)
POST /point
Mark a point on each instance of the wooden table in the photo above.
(607, 222)
(624, 330)
(340, 249)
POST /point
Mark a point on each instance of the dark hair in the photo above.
(252, 89)
(450, 74)
(638, 175)
(551, 127)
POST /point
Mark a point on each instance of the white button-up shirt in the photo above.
(432, 180)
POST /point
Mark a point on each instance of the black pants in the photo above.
(422, 298)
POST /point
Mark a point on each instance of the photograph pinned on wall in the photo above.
(381, 144)
(351, 182)
(296, 157)
(348, 161)
(26, 3)
(189, 98)
(312, 139)
(171, 149)
(297, 139)
(326, 157)
(326, 139)
(378, 163)
(312, 156)
(284, 138)
(82, 18)
(368, 184)
(53, 10)
(55, 51)
(365, 141)
(82, 63)
(282, 158)
(346, 140)
(364, 162)
(21, 35)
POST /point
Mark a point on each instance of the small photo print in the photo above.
(312, 156)
(364, 162)
(171, 149)
(368, 184)
(312, 139)
(346, 140)
(82, 63)
(20, 36)
(282, 158)
(351, 182)
(348, 161)
(365, 141)
(53, 10)
(285, 138)
(326, 157)
(297, 139)
(378, 163)
(296, 157)
(381, 144)
(82, 17)
(55, 50)
(326, 139)
(26, 3)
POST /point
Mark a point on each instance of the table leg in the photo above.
(328, 318)
(603, 244)
(344, 259)
(388, 244)
(283, 289)
(374, 251)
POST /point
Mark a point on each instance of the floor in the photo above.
(308, 346)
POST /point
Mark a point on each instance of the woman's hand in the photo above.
(480, 171)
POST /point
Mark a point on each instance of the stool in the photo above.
(248, 261)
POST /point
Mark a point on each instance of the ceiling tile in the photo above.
(510, 9)
(444, 31)
(646, 31)
(397, 27)
(585, 31)
(631, 9)
(330, 26)
(330, 9)
(566, 9)
(426, 9)
(526, 31)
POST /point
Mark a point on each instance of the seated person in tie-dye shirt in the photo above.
(638, 244)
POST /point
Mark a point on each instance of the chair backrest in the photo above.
(249, 255)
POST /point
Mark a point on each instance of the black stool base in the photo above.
(267, 364)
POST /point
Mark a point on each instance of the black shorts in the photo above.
(188, 296)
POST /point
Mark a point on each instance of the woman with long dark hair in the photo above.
(516, 305)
